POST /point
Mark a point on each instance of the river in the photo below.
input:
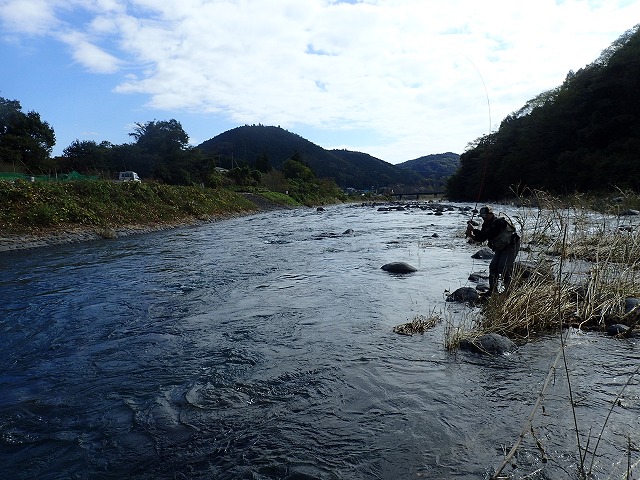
(262, 347)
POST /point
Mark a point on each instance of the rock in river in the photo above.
(618, 329)
(490, 343)
(483, 254)
(398, 267)
(463, 294)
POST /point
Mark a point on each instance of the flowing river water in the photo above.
(262, 347)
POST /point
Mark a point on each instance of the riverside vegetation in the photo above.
(583, 271)
(101, 205)
(582, 257)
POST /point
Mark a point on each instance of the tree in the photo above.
(294, 168)
(24, 138)
(84, 156)
(160, 137)
(164, 150)
(245, 176)
(128, 156)
(262, 163)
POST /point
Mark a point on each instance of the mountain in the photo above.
(581, 136)
(250, 144)
(436, 167)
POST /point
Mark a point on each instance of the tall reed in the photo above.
(581, 266)
(601, 268)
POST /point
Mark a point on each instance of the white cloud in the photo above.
(416, 72)
(89, 55)
(28, 16)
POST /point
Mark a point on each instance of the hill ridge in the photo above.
(253, 144)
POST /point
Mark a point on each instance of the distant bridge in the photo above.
(416, 194)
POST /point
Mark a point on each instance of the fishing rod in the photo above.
(486, 162)
(470, 222)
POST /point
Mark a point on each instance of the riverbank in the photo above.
(52, 237)
(33, 237)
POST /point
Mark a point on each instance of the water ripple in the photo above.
(263, 347)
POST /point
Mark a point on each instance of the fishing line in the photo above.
(486, 162)
(484, 171)
(484, 85)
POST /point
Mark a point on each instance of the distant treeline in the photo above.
(160, 151)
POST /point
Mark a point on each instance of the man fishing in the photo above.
(502, 239)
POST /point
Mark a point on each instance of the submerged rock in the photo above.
(398, 267)
(464, 294)
(490, 343)
(476, 277)
(630, 212)
(617, 329)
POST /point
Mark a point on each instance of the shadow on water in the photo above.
(262, 347)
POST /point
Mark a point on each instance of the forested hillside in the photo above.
(581, 136)
(436, 167)
(371, 172)
(265, 147)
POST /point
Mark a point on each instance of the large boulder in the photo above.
(490, 343)
(464, 294)
(398, 267)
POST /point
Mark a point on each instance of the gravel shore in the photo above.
(47, 238)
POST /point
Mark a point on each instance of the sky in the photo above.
(397, 79)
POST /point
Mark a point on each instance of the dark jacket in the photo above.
(490, 230)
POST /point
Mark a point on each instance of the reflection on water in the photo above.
(262, 347)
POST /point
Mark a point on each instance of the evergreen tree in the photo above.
(25, 140)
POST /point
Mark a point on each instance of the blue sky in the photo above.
(397, 79)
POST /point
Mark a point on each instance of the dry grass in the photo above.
(594, 259)
(530, 308)
(596, 266)
(454, 332)
(419, 324)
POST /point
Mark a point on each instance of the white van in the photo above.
(128, 176)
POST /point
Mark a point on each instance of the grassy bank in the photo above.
(41, 206)
(582, 266)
